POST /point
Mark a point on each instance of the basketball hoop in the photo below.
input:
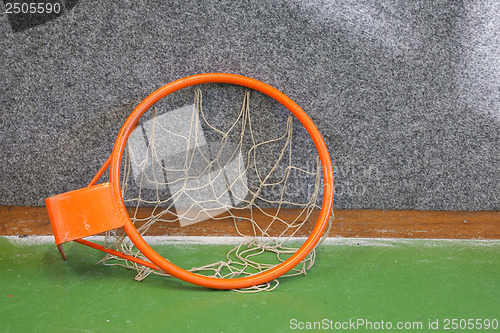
(100, 208)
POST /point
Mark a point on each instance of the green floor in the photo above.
(353, 283)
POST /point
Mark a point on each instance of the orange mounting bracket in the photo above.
(81, 213)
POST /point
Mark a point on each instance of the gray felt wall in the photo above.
(405, 93)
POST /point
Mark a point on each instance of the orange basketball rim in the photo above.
(99, 208)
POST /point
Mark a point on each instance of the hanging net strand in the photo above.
(188, 166)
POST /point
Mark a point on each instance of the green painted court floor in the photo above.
(416, 285)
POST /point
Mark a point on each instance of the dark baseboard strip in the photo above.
(365, 223)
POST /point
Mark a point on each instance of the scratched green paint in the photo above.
(393, 281)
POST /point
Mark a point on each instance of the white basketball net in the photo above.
(185, 168)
